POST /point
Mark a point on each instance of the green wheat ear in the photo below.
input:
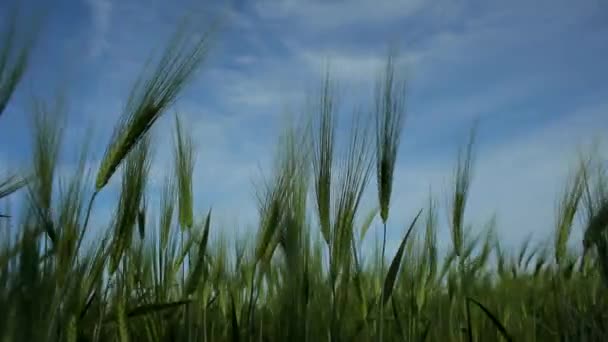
(47, 124)
(184, 169)
(151, 96)
(567, 208)
(462, 182)
(323, 155)
(389, 115)
(167, 206)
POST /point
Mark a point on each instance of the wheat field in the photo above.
(155, 275)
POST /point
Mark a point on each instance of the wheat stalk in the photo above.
(389, 115)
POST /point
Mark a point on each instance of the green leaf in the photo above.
(389, 281)
(494, 320)
(195, 276)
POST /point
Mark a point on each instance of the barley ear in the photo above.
(151, 97)
(462, 182)
(353, 176)
(323, 155)
(47, 130)
(567, 208)
(389, 115)
(184, 169)
(167, 207)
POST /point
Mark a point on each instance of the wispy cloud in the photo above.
(101, 15)
(323, 15)
(517, 179)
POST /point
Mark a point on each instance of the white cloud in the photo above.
(101, 11)
(321, 15)
(519, 179)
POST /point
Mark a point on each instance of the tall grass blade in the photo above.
(391, 276)
(492, 317)
(195, 275)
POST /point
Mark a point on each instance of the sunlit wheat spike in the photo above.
(151, 96)
(184, 169)
(462, 182)
(276, 194)
(566, 211)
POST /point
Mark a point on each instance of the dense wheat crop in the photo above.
(156, 275)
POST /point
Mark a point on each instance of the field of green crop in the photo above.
(157, 276)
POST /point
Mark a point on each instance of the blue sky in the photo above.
(533, 72)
